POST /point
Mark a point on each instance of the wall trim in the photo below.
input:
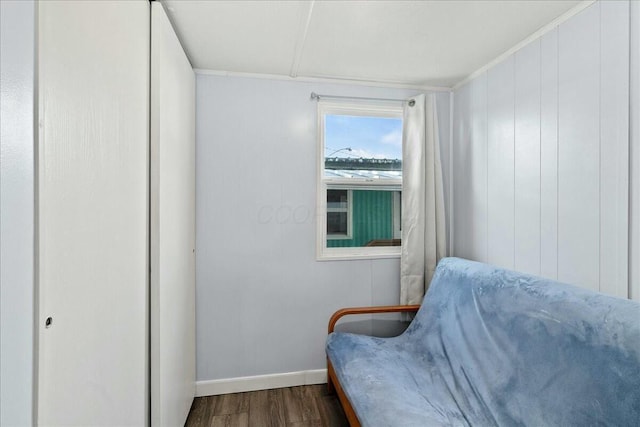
(543, 30)
(260, 382)
(327, 79)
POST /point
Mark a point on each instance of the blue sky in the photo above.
(368, 137)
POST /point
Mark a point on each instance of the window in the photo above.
(360, 180)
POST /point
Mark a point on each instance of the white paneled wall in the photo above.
(500, 171)
(527, 159)
(541, 155)
(172, 216)
(634, 152)
(579, 149)
(614, 147)
(549, 154)
(459, 142)
(478, 167)
(17, 60)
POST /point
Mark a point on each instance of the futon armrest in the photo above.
(370, 310)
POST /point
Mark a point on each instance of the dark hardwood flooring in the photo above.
(308, 406)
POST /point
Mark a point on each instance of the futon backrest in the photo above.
(519, 349)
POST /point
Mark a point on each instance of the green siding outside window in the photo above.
(372, 219)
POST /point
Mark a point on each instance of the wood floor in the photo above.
(301, 406)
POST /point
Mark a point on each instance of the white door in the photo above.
(92, 209)
(173, 342)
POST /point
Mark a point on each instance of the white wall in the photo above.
(263, 301)
(634, 133)
(172, 290)
(541, 155)
(17, 45)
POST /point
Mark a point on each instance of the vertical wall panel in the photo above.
(500, 192)
(634, 152)
(467, 177)
(462, 177)
(443, 107)
(527, 159)
(549, 154)
(17, 66)
(172, 290)
(93, 213)
(579, 149)
(478, 163)
(614, 147)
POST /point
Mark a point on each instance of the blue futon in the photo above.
(492, 347)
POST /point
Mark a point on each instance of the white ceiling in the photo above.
(418, 43)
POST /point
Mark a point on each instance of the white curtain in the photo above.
(423, 217)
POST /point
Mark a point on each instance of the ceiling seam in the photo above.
(303, 29)
(323, 79)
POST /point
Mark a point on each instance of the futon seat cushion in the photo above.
(377, 374)
(495, 347)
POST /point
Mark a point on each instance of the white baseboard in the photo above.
(260, 382)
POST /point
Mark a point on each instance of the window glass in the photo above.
(362, 147)
(370, 218)
(361, 177)
(338, 214)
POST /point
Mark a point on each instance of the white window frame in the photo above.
(350, 109)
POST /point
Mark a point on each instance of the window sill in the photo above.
(347, 237)
(349, 254)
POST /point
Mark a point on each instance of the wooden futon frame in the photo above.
(332, 381)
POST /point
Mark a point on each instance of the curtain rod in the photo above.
(317, 97)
